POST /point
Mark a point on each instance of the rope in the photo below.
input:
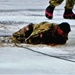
(58, 57)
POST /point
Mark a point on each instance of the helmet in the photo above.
(65, 27)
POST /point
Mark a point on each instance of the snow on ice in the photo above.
(42, 60)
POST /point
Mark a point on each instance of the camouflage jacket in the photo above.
(44, 32)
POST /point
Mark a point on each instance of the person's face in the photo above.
(61, 32)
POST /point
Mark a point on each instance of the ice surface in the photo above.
(15, 14)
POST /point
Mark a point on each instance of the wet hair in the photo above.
(65, 27)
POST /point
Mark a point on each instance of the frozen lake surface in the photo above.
(42, 60)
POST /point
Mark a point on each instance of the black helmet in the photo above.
(65, 27)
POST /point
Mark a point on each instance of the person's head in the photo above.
(63, 29)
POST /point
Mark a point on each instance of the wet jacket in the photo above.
(44, 32)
